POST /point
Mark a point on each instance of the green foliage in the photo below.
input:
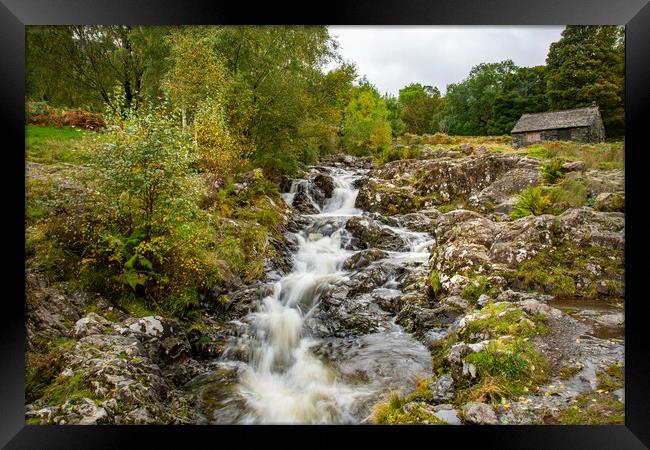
(149, 236)
(521, 92)
(477, 287)
(393, 106)
(588, 65)
(393, 413)
(553, 171)
(48, 145)
(419, 104)
(532, 200)
(569, 194)
(84, 64)
(594, 408)
(470, 103)
(507, 368)
(367, 128)
(555, 270)
(434, 281)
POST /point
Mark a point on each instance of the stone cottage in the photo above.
(580, 124)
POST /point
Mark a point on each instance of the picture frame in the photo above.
(16, 14)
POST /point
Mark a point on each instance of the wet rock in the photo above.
(424, 221)
(367, 233)
(447, 413)
(418, 319)
(363, 258)
(476, 413)
(611, 320)
(371, 278)
(325, 184)
(303, 203)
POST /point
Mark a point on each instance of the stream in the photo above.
(303, 365)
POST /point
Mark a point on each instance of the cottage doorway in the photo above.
(533, 136)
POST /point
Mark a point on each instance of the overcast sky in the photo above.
(394, 56)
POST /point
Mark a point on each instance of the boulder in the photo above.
(442, 389)
(363, 258)
(476, 413)
(609, 201)
(325, 183)
(533, 307)
(611, 320)
(367, 233)
(91, 324)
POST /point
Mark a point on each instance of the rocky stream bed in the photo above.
(385, 293)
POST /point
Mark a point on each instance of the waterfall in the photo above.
(290, 377)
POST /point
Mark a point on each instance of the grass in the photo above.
(555, 270)
(477, 287)
(43, 368)
(504, 319)
(434, 281)
(538, 200)
(603, 156)
(49, 145)
(392, 413)
(507, 368)
(599, 407)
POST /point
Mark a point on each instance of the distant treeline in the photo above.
(264, 95)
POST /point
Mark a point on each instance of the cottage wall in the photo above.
(580, 134)
(597, 131)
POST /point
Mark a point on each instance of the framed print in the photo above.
(385, 219)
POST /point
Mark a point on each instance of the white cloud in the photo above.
(394, 56)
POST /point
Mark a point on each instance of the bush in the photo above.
(532, 200)
(152, 240)
(553, 171)
(40, 113)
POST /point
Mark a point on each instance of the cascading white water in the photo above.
(285, 383)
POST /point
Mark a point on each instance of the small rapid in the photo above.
(294, 376)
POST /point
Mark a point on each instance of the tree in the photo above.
(418, 106)
(195, 71)
(366, 121)
(588, 65)
(521, 92)
(275, 99)
(394, 108)
(470, 103)
(87, 64)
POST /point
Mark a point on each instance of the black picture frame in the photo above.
(16, 14)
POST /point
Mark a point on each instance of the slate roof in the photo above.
(569, 118)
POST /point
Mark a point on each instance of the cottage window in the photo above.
(533, 136)
(564, 135)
